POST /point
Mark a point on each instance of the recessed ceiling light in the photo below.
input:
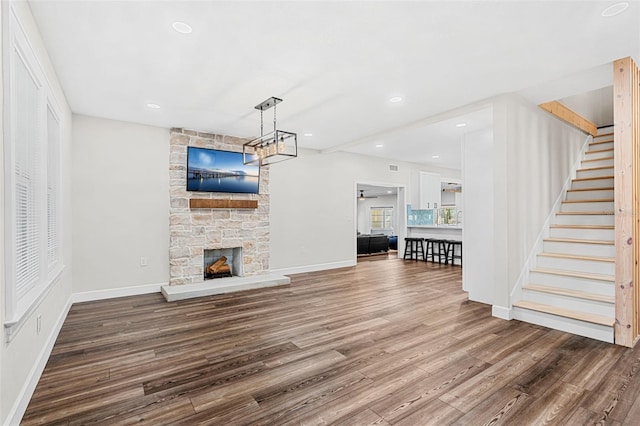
(153, 106)
(395, 99)
(615, 9)
(461, 124)
(308, 134)
(435, 157)
(182, 28)
(389, 192)
(379, 145)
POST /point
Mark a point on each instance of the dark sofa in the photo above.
(370, 244)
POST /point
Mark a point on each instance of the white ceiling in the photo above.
(335, 63)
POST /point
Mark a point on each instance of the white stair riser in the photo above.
(604, 288)
(598, 153)
(581, 328)
(576, 265)
(592, 183)
(584, 219)
(586, 234)
(602, 145)
(594, 206)
(571, 303)
(581, 249)
(592, 155)
(595, 194)
(595, 172)
(604, 162)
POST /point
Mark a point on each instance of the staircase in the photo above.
(572, 286)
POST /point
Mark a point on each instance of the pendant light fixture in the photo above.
(273, 147)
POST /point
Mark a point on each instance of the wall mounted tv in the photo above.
(213, 170)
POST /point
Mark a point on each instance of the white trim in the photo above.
(90, 296)
(501, 312)
(13, 325)
(401, 219)
(17, 42)
(24, 396)
(313, 268)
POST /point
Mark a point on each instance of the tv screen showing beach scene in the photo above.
(212, 170)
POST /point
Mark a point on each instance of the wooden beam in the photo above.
(196, 203)
(626, 148)
(575, 119)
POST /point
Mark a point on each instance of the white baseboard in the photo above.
(17, 411)
(89, 296)
(501, 312)
(313, 268)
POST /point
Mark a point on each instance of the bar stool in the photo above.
(432, 251)
(451, 252)
(413, 247)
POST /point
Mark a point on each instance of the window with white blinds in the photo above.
(28, 175)
(53, 189)
(32, 141)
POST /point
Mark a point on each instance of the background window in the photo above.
(381, 218)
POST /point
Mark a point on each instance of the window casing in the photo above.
(32, 142)
(381, 218)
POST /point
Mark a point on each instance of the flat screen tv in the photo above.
(213, 170)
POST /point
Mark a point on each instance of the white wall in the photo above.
(533, 156)
(477, 183)
(22, 359)
(364, 209)
(120, 204)
(313, 206)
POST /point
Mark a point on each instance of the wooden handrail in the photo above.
(573, 118)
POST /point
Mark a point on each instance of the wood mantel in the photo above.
(199, 203)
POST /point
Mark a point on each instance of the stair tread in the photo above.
(578, 257)
(601, 213)
(600, 142)
(567, 313)
(586, 169)
(598, 159)
(593, 200)
(607, 188)
(575, 274)
(598, 150)
(570, 293)
(581, 241)
(604, 134)
(559, 225)
(592, 178)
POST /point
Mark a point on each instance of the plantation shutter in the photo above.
(28, 155)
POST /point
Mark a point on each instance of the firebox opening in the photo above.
(220, 263)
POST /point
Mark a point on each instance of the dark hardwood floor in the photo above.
(385, 342)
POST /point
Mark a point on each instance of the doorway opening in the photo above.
(380, 222)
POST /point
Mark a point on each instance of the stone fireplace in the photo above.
(195, 232)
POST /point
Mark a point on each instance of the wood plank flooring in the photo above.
(386, 342)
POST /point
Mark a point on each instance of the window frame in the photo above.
(390, 217)
(16, 47)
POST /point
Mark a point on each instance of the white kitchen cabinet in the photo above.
(427, 190)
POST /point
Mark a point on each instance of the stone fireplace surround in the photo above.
(192, 231)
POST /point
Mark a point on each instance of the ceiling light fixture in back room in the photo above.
(273, 147)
